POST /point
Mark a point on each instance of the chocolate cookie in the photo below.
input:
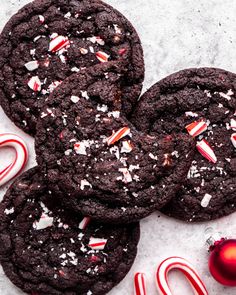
(48, 40)
(47, 250)
(98, 162)
(201, 102)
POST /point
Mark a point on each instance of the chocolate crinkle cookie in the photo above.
(48, 40)
(46, 249)
(202, 103)
(98, 163)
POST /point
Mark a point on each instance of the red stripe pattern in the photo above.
(186, 268)
(206, 150)
(140, 284)
(20, 160)
(34, 83)
(233, 139)
(97, 244)
(116, 136)
(102, 56)
(196, 128)
(58, 43)
(84, 223)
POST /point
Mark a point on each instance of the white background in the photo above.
(176, 34)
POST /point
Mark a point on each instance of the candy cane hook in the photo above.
(186, 268)
(20, 160)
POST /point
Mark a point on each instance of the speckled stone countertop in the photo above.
(176, 34)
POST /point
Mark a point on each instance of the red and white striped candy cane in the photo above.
(186, 268)
(140, 284)
(20, 160)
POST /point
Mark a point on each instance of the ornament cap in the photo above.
(213, 240)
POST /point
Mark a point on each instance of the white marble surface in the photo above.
(175, 34)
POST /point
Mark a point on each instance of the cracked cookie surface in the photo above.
(48, 40)
(98, 162)
(48, 250)
(203, 101)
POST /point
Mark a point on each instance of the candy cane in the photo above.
(186, 268)
(20, 160)
(140, 284)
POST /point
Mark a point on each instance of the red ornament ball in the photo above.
(222, 262)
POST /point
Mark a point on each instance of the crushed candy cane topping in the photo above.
(102, 56)
(97, 244)
(233, 139)
(233, 124)
(84, 223)
(35, 84)
(58, 43)
(126, 175)
(206, 151)
(206, 200)
(196, 128)
(32, 65)
(116, 136)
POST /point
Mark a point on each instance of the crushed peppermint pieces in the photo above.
(68, 152)
(32, 65)
(97, 244)
(126, 175)
(191, 114)
(58, 43)
(233, 124)
(84, 183)
(114, 114)
(84, 94)
(34, 83)
(115, 150)
(206, 200)
(53, 86)
(153, 157)
(41, 19)
(67, 15)
(80, 148)
(233, 139)
(9, 211)
(116, 136)
(102, 56)
(84, 223)
(96, 39)
(126, 147)
(74, 98)
(167, 160)
(227, 95)
(196, 128)
(206, 151)
(44, 222)
(83, 51)
(102, 108)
